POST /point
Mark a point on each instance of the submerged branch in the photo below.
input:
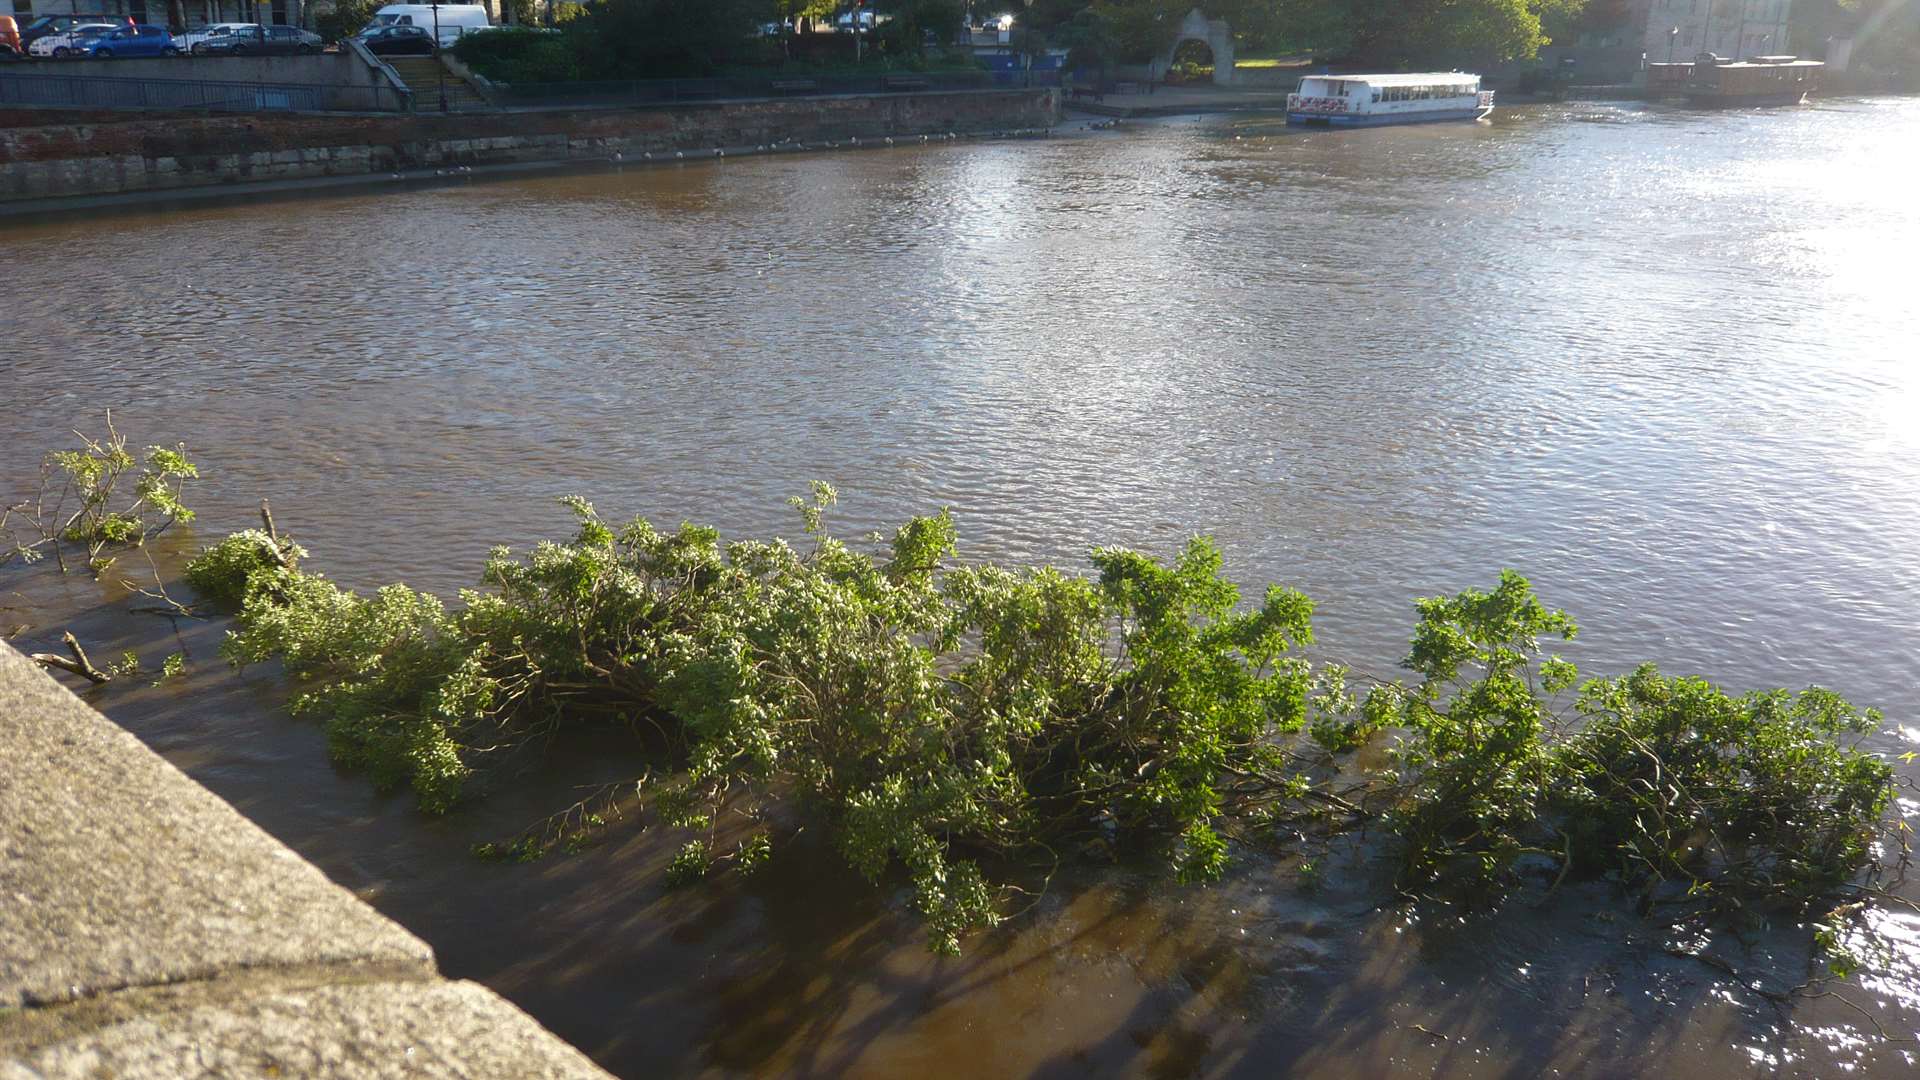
(78, 664)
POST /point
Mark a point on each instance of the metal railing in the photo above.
(116, 92)
(649, 91)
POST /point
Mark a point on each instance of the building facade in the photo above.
(194, 12)
(1682, 29)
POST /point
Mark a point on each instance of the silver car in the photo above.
(62, 45)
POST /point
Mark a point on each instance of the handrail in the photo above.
(394, 81)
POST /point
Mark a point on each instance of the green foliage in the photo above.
(1663, 782)
(753, 854)
(81, 501)
(932, 719)
(914, 22)
(174, 666)
(921, 712)
(1474, 766)
(1400, 34)
(344, 18)
(689, 864)
(618, 39)
(221, 573)
(521, 54)
(1752, 797)
(1090, 38)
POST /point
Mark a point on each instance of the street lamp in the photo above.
(439, 64)
(1673, 35)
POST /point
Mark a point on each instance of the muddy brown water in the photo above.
(1662, 362)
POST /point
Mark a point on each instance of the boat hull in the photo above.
(1344, 120)
(1739, 101)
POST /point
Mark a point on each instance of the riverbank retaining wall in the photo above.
(158, 154)
(149, 932)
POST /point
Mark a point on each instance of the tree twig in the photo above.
(273, 535)
(79, 664)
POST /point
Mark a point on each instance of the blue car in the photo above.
(129, 41)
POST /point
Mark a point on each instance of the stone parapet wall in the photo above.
(149, 932)
(154, 155)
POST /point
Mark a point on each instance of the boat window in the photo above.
(1376, 95)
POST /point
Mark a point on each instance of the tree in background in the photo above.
(1142, 30)
(799, 15)
(1090, 41)
(1423, 33)
(912, 23)
(344, 18)
(640, 39)
(1885, 33)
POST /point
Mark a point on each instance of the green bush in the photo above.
(933, 719)
(344, 19)
(519, 54)
(221, 573)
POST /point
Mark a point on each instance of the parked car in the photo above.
(61, 46)
(128, 41)
(257, 40)
(191, 38)
(453, 19)
(10, 46)
(60, 24)
(397, 40)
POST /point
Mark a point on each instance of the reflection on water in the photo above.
(1659, 361)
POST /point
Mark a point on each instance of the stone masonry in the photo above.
(147, 930)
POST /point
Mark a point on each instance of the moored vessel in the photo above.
(1375, 100)
(1761, 80)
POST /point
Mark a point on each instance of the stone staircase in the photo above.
(422, 76)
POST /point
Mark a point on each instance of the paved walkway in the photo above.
(147, 930)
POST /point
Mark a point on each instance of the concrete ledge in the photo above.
(148, 930)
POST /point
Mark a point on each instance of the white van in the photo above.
(455, 19)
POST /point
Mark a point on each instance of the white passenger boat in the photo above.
(1372, 100)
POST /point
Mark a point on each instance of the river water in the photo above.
(1662, 362)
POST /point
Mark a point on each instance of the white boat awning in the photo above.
(1417, 78)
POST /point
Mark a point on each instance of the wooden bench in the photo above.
(793, 86)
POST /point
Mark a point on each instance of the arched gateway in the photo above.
(1218, 37)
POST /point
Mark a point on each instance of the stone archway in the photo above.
(1218, 37)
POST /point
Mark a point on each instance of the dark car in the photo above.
(261, 41)
(395, 40)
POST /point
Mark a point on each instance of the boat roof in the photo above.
(1774, 62)
(1416, 78)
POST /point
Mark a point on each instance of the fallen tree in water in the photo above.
(935, 718)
